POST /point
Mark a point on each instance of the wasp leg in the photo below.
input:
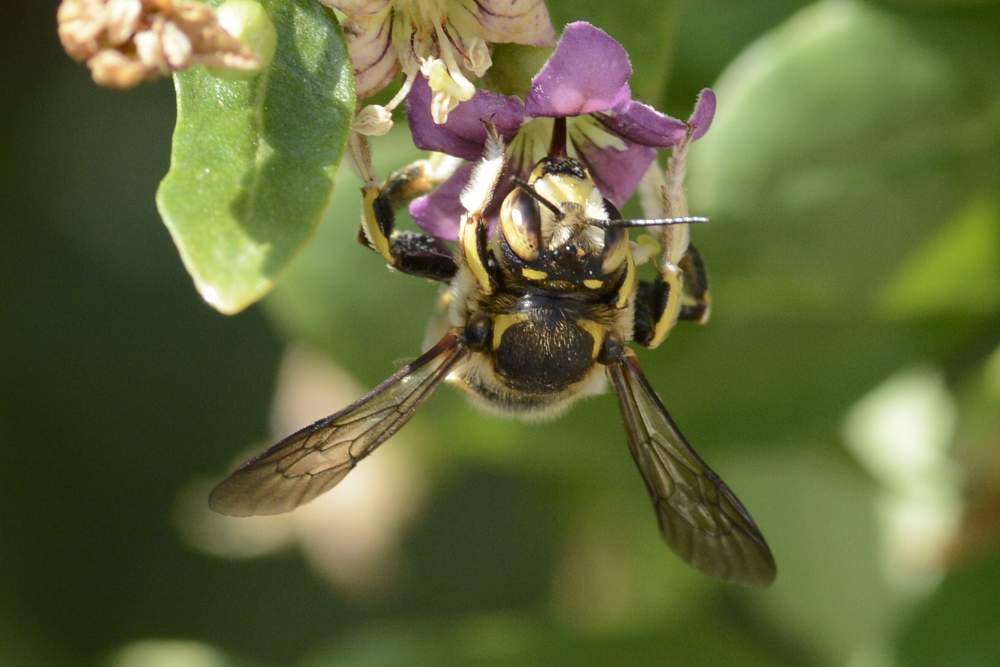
(409, 252)
(650, 304)
(697, 306)
(680, 292)
(473, 229)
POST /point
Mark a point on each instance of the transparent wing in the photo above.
(314, 459)
(701, 519)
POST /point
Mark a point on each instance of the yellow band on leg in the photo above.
(369, 223)
(468, 238)
(675, 287)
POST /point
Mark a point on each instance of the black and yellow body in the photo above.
(548, 291)
(539, 315)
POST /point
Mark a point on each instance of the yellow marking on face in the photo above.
(563, 188)
(369, 222)
(593, 283)
(470, 251)
(596, 331)
(628, 285)
(503, 322)
(534, 274)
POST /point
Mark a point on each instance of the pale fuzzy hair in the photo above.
(485, 175)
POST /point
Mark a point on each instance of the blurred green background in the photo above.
(848, 386)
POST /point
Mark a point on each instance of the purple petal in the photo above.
(704, 112)
(439, 212)
(642, 124)
(616, 173)
(463, 135)
(645, 125)
(588, 72)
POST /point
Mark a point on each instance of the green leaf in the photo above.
(253, 161)
(844, 139)
(956, 271)
(513, 67)
(339, 296)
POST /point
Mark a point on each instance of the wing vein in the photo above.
(699, 517)
(315, 458)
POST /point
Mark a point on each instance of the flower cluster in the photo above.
(445, 42)
(125, 42)
(441, 48)
(586, 81)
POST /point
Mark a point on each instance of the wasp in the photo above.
(539, 315)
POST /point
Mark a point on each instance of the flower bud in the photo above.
(373, 121)
(247, 21)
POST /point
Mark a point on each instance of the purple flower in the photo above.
(586, 81)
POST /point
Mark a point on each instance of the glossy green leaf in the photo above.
(340, 296)
(253, 161)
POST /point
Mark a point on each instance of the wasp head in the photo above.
(550, 226)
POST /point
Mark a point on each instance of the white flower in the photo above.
(445, 40)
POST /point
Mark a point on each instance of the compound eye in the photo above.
(521, 224)
(615, 242)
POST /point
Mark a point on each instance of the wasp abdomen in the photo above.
(541, 350)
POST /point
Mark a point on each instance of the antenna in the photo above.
(649, 222)
(530, 191)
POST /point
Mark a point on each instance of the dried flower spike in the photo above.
(447, 41)
(125, 42)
